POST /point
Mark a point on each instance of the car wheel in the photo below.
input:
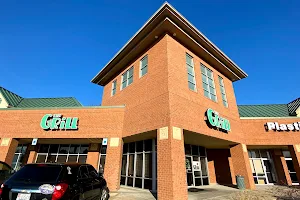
(104, 194)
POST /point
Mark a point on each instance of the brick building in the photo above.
(168, 120)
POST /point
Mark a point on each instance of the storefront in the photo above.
(168, 119)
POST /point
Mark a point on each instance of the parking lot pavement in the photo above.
(215, 192)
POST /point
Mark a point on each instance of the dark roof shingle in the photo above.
(11, 98)
(271, 110)
(49, 102)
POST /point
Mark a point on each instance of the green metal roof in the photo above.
(271, 110)
(11, 98)
(49, 102)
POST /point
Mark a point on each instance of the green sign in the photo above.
(57, 121)
(216, 121)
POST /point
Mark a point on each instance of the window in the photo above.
(222, 88)
(208, 83)
(114, 88)
(144, 66)
(18, 160)
(63, 153)
(127, 78)
(190, 72)
(102, 157)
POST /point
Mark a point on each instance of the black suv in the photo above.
(5, 171)
(55, 182)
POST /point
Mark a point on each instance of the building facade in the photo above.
(168, 119)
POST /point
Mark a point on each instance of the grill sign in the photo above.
(57, 121)
(283, 127)
(215, 120)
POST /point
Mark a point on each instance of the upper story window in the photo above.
(208, 83)
(127, 78)
(144, 66)
(190, 72)
(222, 88)
(114, 88)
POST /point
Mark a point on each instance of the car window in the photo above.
(92, 171)
(37, 173)
(83, 172)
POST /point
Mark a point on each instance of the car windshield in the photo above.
(37, 173)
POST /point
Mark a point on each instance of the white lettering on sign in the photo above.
(283, 127)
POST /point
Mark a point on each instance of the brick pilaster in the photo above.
(283, 176)
(8, 148)
(93, 155)
(112, 171)
(241, 164)
(171, 171)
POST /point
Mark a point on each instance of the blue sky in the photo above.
(54, 48)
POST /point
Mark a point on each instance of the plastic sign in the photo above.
(57, 121)
(216, 121)
(283, 127)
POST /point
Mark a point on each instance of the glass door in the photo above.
(293, 175)
(189, 171)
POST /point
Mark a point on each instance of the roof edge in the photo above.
(63, 108)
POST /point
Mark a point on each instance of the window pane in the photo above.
(103, 149)
(130, 80)
(41, 158)
(51, 158)
(125, 148)
(205, 86)
(122, 182)
(222, 90)
(212, 90)
(225, 103)
(84, 149)
(205, 181)
(124, 161)
(102, 161)
(206, 94)
(21, 158)
(147, 184)
(204, 79)
(202, 151)
(129, 181)
(124, 84)
(209, 74)
(189, 59)
(16, 156)
(203, 166)
(190, 69)
(131, 165)
(203, 70)
(130, 72)
(286, 154)
(191, 78)
(61, 159)
(74, 148)
(192, 86)
(19, 149)
(125, 76)
(144, 71)
(144, 61)
(72, 159)
(148, 165)
(139, 165)
(139, 146)
(197, 181)
(44, 148)
(211, 83)
(132, 147)
(213, 97)
(148, 145)
(187, 149)
(138, 183)
(64, 148)
(82, 159)
(53, 148)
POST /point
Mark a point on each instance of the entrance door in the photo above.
(262, 167)
(196, 165)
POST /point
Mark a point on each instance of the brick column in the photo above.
(113, 162)
(212, 172)
(32, 153)
(171, 171)
(241, 164)
(295, 153)
(283, 175)
(93, 155)
(8, 148)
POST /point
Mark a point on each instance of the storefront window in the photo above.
(102, 157)
(62, 153)
(137, 164)
(18, 160)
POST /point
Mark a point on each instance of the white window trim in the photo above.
(209, 92)
(140, 70)
(193, 64)
(222, 85)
